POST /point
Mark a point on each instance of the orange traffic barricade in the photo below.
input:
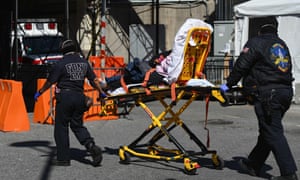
(44, 109)
(114, 65)
(13, 114)
(44, 106)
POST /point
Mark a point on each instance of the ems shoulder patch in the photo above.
(279, 56)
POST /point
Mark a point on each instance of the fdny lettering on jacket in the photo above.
(76, 71)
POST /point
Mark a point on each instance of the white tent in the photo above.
(288, 17)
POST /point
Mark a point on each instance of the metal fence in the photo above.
(217, 69)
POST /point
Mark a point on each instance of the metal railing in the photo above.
(217, 70)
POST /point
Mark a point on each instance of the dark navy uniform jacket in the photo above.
(70, 73)
(265, 62)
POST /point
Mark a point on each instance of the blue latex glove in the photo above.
(37, 95)
(103, 95)
(224, 88)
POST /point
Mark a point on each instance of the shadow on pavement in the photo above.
(50, 152)
(234, 165)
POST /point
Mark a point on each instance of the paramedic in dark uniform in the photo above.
(265, 66)
(69, 75)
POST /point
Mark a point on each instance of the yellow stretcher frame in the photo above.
(194, 60)
(195, 55)
(165, 126)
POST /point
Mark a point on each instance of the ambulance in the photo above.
(38, 42)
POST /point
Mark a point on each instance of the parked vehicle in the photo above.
(38, 41)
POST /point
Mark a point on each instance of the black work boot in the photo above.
(289, 177)
(96, 153)
(247, 167)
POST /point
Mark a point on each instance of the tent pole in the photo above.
(103, 39)
(157, 28)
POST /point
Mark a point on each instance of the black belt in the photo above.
(274, 86)
(71, 90)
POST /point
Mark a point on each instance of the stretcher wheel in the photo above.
(190, 171)
(218, 162)
(190, 167)
(124, 156)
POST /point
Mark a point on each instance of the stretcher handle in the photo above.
(234, 97)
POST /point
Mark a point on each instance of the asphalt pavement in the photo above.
(232, 133)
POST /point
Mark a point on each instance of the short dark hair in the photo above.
(68, 46)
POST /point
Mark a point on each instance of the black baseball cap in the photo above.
(68, 46)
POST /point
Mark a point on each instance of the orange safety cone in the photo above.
(13, 114)
(43, 109)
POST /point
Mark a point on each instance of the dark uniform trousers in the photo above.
(270, 107)
(70, 107)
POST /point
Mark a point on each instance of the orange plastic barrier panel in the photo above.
(99, 110)
(96, 64)
(44, 107)
(2, 93)
(113, 65)
(13, 114)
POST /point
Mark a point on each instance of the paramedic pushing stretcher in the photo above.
(265, 66)
(69, 75)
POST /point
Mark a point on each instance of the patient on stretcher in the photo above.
(167, 65)
(135, 71)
